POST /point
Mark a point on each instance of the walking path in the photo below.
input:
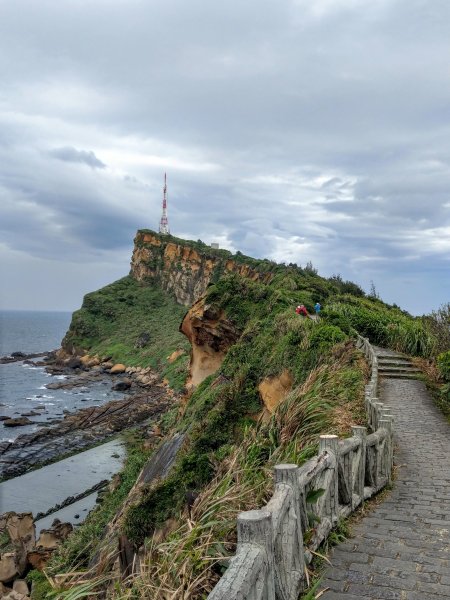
(401, 550)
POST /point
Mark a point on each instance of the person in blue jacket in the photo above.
(317, 308)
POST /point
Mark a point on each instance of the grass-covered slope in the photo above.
(132, 323)
(221, 409)
(229, 448)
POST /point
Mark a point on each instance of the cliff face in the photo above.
(183, 269)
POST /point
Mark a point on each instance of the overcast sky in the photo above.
(290, 129)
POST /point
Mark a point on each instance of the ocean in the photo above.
(22, 387)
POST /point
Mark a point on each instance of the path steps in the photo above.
(401, 549)
(394, 365)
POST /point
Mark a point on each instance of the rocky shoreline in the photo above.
(144, 399)
(77, 431)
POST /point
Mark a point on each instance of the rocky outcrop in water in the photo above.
(20, 356)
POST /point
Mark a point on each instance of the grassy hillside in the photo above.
(133, 323)
(230, 448)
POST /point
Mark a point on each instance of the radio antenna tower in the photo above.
(164, 223)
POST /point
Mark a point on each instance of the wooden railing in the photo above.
(276, 542)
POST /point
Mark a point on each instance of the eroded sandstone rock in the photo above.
(173, 357)
(181, 269)
(9, 568)
(273, 390)
(210, 335)
(20, 586)
(51, 538)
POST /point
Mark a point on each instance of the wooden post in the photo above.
(255, 527)
(329, 443)
(360, 475)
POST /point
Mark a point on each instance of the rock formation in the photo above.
(19, 551)
(210, 335)
(181, 269)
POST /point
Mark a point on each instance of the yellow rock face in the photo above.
(273, 390)
(210, 335)
(181, 269)
(118, 368)
(173, 357)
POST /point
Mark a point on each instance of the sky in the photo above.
(292, 130)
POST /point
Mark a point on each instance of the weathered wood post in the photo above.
(255, 527)
(290, 565)
(360, 473)
(329, 443)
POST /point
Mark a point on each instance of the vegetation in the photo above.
(384, 325)
(228, 431)
(232, 440)
(190, 559)
(132, 323)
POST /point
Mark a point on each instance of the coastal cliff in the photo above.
(185, 268)
(256, 384)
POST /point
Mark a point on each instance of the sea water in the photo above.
(23, 387)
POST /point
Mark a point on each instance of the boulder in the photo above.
(39, 558)
(20, 528)
(121, 386)
(51, 538)
(8, 567)
(118, 368)
(274, 390)
(20, 586)
(74, 363)
(85, 359)
(15, 596)
(91, 362)
(19, 422)
(211, 334)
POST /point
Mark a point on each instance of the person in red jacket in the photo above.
(301, 310)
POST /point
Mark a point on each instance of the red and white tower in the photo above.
(164, 223)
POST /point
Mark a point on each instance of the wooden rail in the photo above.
(274, 543)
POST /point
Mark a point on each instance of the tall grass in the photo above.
(188, 563)
(383, 325)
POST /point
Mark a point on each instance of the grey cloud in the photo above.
(316, 131)
(70, 154)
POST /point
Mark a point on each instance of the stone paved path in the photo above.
(401, 550)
